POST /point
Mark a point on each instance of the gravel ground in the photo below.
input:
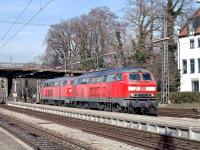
(185, 105)
(93, 140)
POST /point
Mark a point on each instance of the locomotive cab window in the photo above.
(134, 76)
(64, 82)
(79, 81)
(100, 79)
(119, 77)
(146, 76)
(110, 78)
(56, 83)
(75, 82)
(85, 81)
(93, 80)
(48, 84)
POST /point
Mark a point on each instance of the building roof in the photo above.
(194, 20)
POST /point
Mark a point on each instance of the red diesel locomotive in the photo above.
(56, 91)
(131, 90)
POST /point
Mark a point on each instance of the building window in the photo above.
(195, 86)
(191, 43)
(184, 66)
(191, 29)
(198, 42)
(192, 66)
(199, 65)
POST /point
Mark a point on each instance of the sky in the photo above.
(28, 44)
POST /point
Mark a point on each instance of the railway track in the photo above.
(179, 112)
(38, 138)
(130, 136)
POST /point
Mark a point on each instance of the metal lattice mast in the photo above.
(165, 68)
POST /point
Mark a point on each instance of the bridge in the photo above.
(31, 70)
(12, 71)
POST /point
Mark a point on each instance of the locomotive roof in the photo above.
(59, 79)
(111, 71)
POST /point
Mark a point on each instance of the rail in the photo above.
(139, 123)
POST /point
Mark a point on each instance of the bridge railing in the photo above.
(31, 66)
(10, 65)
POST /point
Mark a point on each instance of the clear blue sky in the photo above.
(29, 43)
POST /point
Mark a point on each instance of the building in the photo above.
(189, 54)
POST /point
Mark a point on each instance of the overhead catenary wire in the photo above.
(26, 23)
(18, 17)
(22, 23)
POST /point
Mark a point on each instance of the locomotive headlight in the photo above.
(151, 88)
(132, 94)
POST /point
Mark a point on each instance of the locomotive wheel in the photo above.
(141, 111)
(67, 105)
(74, 104)
(153, 112)
(131, 109)
(101, 107)
(79, 105)
(108, 107)
(117, 108)
(85, 105)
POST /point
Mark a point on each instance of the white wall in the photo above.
(185, 52)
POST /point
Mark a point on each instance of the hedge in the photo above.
(182, 97)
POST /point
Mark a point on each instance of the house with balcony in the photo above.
(189, 54)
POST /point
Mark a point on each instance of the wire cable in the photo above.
(18, 17)
(22, 23)
(26, 23)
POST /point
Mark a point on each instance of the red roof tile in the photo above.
(195, 19)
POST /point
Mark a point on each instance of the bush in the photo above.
(182, 97)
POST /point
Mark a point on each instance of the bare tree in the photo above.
(85, 39)
(144, 17)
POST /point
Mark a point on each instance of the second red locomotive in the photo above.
(131, 90)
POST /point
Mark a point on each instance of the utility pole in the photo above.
(152, 21)
(97, 50)
(165, 68)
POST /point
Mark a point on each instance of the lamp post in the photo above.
(65, 57)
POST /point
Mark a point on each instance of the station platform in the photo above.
(187, 128)
(10, 142)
